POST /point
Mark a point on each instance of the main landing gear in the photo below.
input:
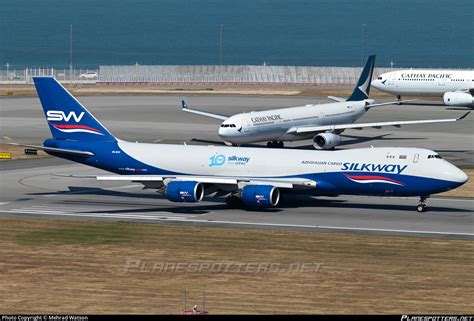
(421, 207)
(274, 144)
(234, 202)
(399, 100)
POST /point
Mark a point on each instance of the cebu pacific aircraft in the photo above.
(322, 123)
(255, 177)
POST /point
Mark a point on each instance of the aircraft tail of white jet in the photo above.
(362, 88)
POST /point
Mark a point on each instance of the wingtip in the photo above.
(464, 116)
(183, 104)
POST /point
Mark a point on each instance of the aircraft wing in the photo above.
(337, 99)
(58, 150)
(184, 107)
(341, 127)
(151, 180)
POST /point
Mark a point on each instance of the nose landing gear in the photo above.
(421, 207)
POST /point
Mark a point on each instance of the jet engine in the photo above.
(458, 99)
(262, 196)
(326, 140)
(184, 191)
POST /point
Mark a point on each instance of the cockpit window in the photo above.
(434, 156)
(379, 78)
(228, 125)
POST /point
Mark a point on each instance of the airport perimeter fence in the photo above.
(200, 75)
(25, 76)
(232, 75)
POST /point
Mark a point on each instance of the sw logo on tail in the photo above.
(66, 117)
(59, 115)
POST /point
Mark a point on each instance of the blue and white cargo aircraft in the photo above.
(255, 177)
(323, 123)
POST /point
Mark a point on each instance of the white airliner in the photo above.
(455, 86)
(322, 123)
(252, 176)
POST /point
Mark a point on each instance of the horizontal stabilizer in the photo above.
(368, 106)
(336, 99)
(184, 107)
(58, 150)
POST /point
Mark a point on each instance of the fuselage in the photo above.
(424, 82)
(274, 125)
(370, 171)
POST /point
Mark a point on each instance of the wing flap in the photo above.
(237, 181)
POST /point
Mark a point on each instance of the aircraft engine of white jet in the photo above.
(326, 141)
(458, 99)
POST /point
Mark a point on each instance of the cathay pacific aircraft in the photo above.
(455, 86)
(322, 123)
(254, 177)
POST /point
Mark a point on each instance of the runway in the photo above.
(35, 191)
(29, 188)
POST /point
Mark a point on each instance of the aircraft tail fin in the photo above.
(67, 118)
(362, 89)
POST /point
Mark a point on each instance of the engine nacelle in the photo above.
(458, 99)
(326, 140)
(260, 195)
(184, 191)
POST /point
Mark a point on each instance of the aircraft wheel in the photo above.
(275, 144)
(234, 202)
(272, 144)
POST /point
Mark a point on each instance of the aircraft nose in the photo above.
(375, 83)
(456, 175)
(461, 177)
(221, 132)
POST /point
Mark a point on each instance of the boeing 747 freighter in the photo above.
(255, 177)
